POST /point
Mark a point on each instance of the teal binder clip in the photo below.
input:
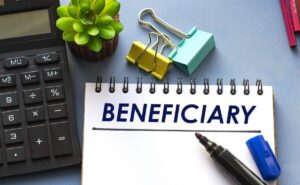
(192, 49)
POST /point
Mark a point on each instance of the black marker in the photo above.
(234, 166)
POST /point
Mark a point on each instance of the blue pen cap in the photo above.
(264, 157)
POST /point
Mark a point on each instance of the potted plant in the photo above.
(90, 27)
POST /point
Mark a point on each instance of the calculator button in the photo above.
(57, 111)
(9, 99)
(8, 2)
(52, 74)
(16, 154)
(33, 96)
(13, 136)
(35, 114)
(61, 139)
(16, 62)
(11, 118)
(55, 93)
(30, 77)
(1, 160)
(46, 58)
(7, 80)
(38, 142)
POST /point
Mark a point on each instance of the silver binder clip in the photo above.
(191, 50)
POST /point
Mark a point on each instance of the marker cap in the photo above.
(264, 157)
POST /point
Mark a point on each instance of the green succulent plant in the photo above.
(89, 22)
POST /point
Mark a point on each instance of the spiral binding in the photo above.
(112, 84)
(152, 86)
(193, 86)
(206, 86)
(179, 90)
(166, 87)
(98, 84)
(179, 86)
(232, 87)
(125, 85)
(220, 86)
(139, 85)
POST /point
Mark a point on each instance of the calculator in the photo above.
(37, 117)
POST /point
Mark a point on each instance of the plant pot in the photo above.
(108, 48)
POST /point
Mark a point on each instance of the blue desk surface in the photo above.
(251, 43)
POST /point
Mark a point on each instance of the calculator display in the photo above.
(24, 24)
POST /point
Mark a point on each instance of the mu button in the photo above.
(16, 62)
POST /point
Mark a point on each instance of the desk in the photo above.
(251, 43)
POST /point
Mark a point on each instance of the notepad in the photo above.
(148, 138)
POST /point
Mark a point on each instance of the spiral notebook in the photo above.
(143, 134)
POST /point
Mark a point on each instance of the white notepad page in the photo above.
(121, 147)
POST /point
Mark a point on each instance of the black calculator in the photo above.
(37, 117)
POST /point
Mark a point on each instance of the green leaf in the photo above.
(75, 2)
(85, 16)
(78, 26)
(81, 38)
(103, 20)
(92, 30)
(65, 23)
(73, 11)
(97, 6)
(95, 44)
(69, 36)
(107, 32)
(112, 8)
(109, 1)
(118, 27)
(84, 3)
(84, 9)
(62, 11)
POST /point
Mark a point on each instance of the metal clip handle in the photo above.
(161, 22)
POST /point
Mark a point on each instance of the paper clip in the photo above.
(148, 59)
(192, 49)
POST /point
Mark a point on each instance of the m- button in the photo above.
(30, 77)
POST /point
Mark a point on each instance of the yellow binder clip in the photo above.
(148, 59)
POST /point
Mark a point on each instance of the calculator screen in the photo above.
(24, 24)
